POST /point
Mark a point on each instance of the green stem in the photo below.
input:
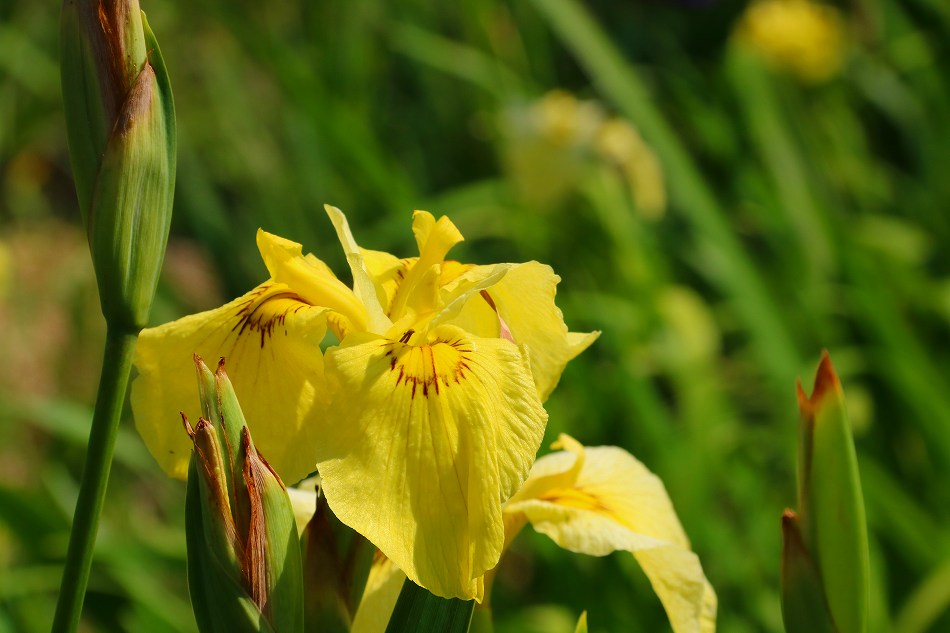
(116, 365)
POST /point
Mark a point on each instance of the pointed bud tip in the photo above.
(826, 383)
(188, 429)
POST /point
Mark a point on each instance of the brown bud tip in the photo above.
(220, 371)
(190, 431)
(203, 424)
(826, 383)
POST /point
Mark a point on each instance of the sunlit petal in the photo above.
(379, 597)
(419, 291)
(310, 278)
(599, 500)
(271, 339)
(369, 292)
(523, 300)
(429, 439)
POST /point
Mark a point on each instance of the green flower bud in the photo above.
(244, 562)
(120, 120)
(827, 546)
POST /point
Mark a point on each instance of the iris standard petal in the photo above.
(604, 500)
(271, 339)
(418, 293)
(371, 294)
(523, 302)
(431, 438)
(311, 279)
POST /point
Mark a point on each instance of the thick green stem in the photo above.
(116, 365)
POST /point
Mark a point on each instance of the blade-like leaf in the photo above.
(418, 611)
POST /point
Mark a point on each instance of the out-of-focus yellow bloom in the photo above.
(425, 418)
(803, 37)
(556, 139)
(566, 121)
(691, 336)
(619, 142)
(599, 500)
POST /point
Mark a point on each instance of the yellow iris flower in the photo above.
(594, 501)
(424, 419)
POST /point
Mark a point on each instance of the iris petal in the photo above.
(599, 500)
(524, 301)
(310, 278)
(271, 339)
(379, 597)
(437, 435)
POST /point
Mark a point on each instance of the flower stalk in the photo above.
(121, 127)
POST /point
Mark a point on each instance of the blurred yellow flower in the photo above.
(803, 37)
(557, 138)
(619, 142)
(424, 419)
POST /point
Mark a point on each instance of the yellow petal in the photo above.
(271, 340)
(524, 301)
(419, 291)
(369, 293)
(432, 439)
(379, 597)
(310, 278)
(387, 271)
(303, 500)
(615, 503)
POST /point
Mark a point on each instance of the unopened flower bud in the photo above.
(829, 534)
(120, 119)
(244, 563)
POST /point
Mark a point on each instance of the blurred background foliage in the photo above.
(725, 188)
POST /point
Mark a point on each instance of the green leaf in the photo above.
(418, 611)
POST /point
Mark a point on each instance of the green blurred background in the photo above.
(724, 188)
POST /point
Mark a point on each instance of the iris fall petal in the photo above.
(599, 500)
(271, 339)
(438, 433)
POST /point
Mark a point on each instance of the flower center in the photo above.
(574, 498)
(429, 368)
